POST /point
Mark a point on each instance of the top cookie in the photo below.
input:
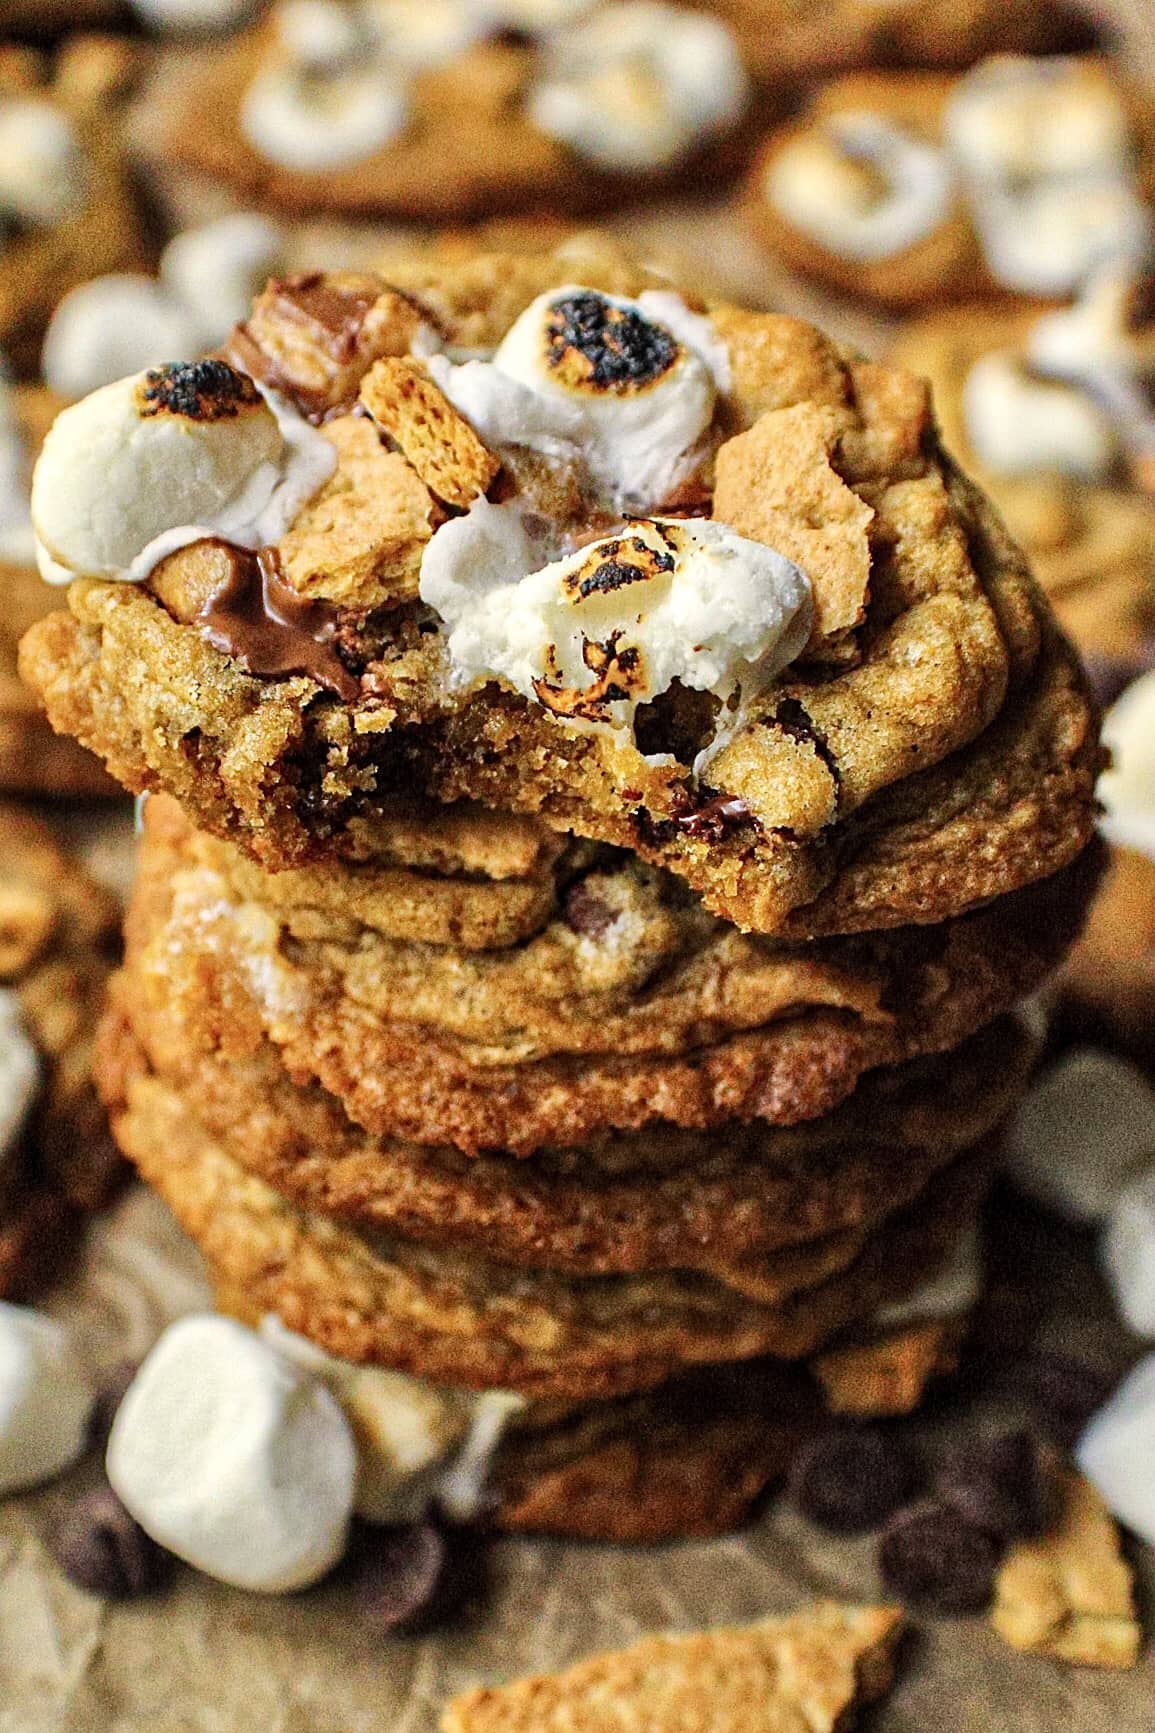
(913, 188)
(770, 638)
(454, 110)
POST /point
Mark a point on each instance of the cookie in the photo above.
(37, 19)
(1108, 982)
(72, 207)
(366, 115)
(813, 1669)
(910, 189)
(57, 947)
(836, 465)
(1041, 436)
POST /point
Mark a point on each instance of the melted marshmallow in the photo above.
(1127, 787)
(42, 170)
(1019, 425)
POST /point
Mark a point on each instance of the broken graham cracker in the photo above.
(441, 445)
(805, 1673)
(1069, 1593)
(889, 1373)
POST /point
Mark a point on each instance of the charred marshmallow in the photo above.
(611, 626)
(637, 85)
(165, 458)
(863, 188)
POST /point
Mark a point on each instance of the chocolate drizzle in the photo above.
(260, 621)
(714, 820)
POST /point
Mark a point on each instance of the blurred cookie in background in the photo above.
(1013, 181)
(1052, 409)
(451, 111)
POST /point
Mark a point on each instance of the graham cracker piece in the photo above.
(359, 542)
(1069, 1594)
(888, 1374)
(806, 1673)
(436, 438)
(775, 484)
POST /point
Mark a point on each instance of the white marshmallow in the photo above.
(235, 1460)
(1127, 788)
(425, 33)
(609, 627)
(1128, 1252)
(610, 375)
(1117, 1451)
(538, 17)
(42, 168)
(1013, 118)
(637, 85)
(1094, 345)
(949, 1292)
(1085, 1128)
(319, 33)
(1018, 425)
(1046, 237)
(194, 16)
(112, 326)
(818, 185)
(309, 120)
(19, 1071)
(17, 539)
(118, 487)
(45, 1399)
(215, 271)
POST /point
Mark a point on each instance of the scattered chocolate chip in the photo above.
(1001, 1485)
(410, 1577)
(1065, 1391)
(934, 1559)
(102, 1549)
(108, 1400)
(852, 1479)
(586, 913)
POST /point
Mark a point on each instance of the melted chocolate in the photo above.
(262, 623)
(710, 823)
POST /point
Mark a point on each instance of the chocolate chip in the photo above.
(409, 1577)
(852, 1479)
(586, 913)
(1001, 1486)
(102, 1549)
(108, 1400)
(934, 1559)
(1065, 1391)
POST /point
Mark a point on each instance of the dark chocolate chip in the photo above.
(102, 1549)
(586, 913)
(407, 1578)
(934, 1559)
(1001, 1485)
(108, 1400)
(852, 1479)
(1065, 1391)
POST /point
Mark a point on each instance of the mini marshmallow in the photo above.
(177, 17)
(1013, 118)
(1117, 1451)
(1019, 425)
(601, 374)
(864, 189)
(426, 33)
(1128, 1253)
(609, 627)
(1127, 788)
(214, 272)
(112, 326)
(1086, 1127)
(1046, 237)
(537, 17)
(19, 1071)
(235, 1460)
(637, 85)
(45, 1399)
(42, 169)
(17, 539)
(165, 458)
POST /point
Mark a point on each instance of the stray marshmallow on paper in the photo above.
(1085, 1129)
(45, 1399)
(1117, 1451)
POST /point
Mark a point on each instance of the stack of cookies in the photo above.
(610, 781)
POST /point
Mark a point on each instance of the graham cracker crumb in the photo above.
(435, 437)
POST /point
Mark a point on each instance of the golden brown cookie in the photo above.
(812, 1669)
(910, 189)
(1109, 978)
(936, 637)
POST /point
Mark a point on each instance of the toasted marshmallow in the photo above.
(1047, 237)
(1127, 787)
(863, 188)
(166, 458)
(607, 628)
(1095, 344)
(1117, 1451)
(949, 1292)
(45, 1399)
(112, 326)
(1013, 118)
(178, 17)
(214, 272)
(17, 539)
(42, 168)
(1128, 1252)
(235, 1460)
(637, 85)
(417, 1443)
(1020, 425)
(309, 118)
(610, 376)
(423, 33)
(1085, 1129)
